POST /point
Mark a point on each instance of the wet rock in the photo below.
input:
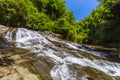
(5, 62)
(89, 73)
(43, 67)
(51, 34)
(117, 78)
(26, 66)
(77, 70)
(62, 58)
(112, 53)
(101, 48)
(5, 45)
(3, 29)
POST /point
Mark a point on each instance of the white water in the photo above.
(78, 46)
(37, 43)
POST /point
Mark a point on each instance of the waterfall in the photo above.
(43, 45)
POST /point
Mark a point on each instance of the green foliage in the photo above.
(103, 23)
(101, 26)
(50, 15)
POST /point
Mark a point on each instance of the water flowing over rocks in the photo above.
(45, 57)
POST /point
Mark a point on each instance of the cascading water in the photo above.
(43, 46)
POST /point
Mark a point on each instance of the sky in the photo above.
(81, 8)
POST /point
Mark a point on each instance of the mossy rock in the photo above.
(95, 74)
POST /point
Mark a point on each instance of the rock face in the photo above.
(3, 42)
(21, 64)
(36, 56)
(17, 73)
(14, 71)
(24, 66)
(3, 29)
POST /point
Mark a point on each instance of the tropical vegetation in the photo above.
(101, 26)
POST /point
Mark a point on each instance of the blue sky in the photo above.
(81, 8)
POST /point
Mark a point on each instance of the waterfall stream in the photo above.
(43, 45)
